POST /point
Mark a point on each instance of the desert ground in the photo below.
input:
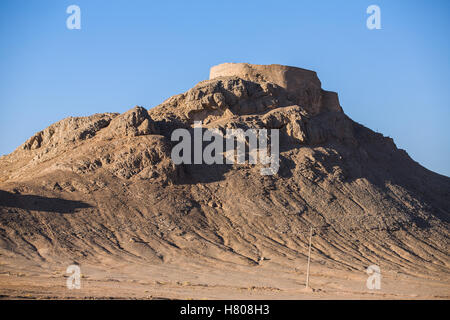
(195, 281)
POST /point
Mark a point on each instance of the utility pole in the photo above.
(309, 257)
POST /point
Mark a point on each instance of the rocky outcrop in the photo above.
(134, 122)
(69, 130)
(302, 86)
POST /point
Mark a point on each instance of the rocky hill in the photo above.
(102, 189)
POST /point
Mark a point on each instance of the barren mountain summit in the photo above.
(103, 191)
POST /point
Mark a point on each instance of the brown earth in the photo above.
(102, 192)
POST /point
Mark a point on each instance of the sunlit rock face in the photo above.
(303, 86)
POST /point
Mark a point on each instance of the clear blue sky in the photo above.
(394, 80)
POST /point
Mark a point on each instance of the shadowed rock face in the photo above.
(369, 201)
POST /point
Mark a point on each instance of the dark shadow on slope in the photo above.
(412, 188)
(205, 173)
(40, 203)
(202, 173)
